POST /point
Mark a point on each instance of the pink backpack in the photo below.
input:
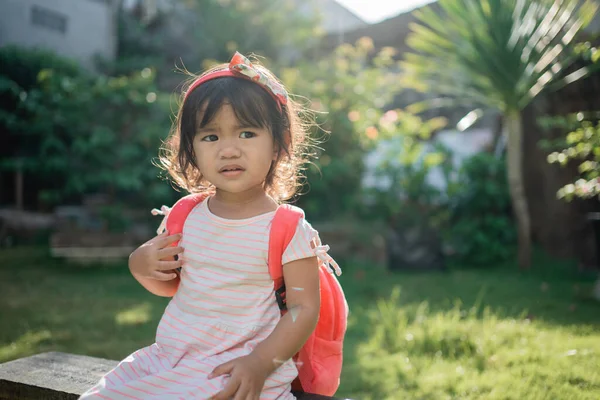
(319, 361)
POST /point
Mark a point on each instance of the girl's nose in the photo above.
(230, 150)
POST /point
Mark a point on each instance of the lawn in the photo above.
(492, 333)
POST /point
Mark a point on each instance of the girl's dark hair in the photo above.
(253, 106)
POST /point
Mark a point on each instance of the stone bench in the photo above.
(62, 376)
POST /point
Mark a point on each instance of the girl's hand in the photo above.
(247, 378)
(155, 258)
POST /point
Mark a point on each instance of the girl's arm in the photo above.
(159, 288)
(303, 302)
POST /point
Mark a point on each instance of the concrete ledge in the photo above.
(63, 376)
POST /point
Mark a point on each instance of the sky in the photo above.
(377, 10)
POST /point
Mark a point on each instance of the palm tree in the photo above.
(500, 54)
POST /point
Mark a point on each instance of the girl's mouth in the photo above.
(231, 170)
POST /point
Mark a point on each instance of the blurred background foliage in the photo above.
(73, 133)
(76, 133)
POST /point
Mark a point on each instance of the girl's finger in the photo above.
(161, 276)
(222, 369)
(242, 393)
(158, 237)
(169, 252)
(167, 240)
(166, 265)
(229, 390)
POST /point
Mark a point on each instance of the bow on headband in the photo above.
(240, 66)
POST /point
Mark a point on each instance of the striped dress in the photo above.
(224, 307)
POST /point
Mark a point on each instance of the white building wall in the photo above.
(78, 29)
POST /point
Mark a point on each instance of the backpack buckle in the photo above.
(280, 297)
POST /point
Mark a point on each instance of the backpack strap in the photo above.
(283, 229)
(174, 217)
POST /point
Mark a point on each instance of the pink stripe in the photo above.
(149, 356)
(199, 362)
(187, 325)
(134, 371)
(173, 339)
(220, 289)
(272, 379)
(143, 360)
(225, 282)
(204, 255)
(194, 378)
(142, 365)
(198, 329)
(109, 381)
(232, 281)
(212, 233)
(243, 307)
(202, 371)
(192, 353)
(123, 394)
(218, 230)
(226, 224)
(213, 366)
(124, 372)
(216, 327)
(140, 390)
(293, 243)
(293, 249)
(189, 352)
(274, 392)
(223, 251)
(308, 239)
(273, 305)
(228, 243)
(179, 302)
(190, 335)
(181, 374)
(165, 379)
(178, 350)
(160, 360)
(210, 310)
(155, 385)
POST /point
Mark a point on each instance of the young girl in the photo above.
(237, 138)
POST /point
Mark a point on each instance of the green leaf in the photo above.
(499, 53)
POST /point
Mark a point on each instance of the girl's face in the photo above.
(234, 158)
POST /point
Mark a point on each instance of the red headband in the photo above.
(241, 67)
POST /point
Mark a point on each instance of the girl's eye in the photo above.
(210, 138)
(247, 135)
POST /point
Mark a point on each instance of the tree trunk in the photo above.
(19, 186)
(513, 129)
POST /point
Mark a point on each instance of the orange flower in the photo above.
(372, 133)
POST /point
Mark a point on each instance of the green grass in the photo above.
(493, 333)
